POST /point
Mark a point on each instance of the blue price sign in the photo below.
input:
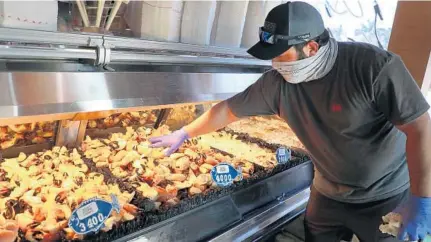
(283, 155)
(224, 174)
(91, 215)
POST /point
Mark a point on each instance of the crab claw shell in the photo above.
(11, 225)
(130, 208)
(183, 185)
(4, 191)
(63, 212)
(176, 156)
(148, 192)
(109, 223)
(127, 216)
(119, 156)
(194, 190)
(173, 190)
(190, 153)
(34, 235)
(18, 192)
(182, 163)
(71, 235)
(8, 235)
(211, 160)
(194, 166)
(177, 177)
(245, 175)
(50, 237)
(164, 195)
(21, 157)
(38, 214)
(23, 220)
(205, 168)
(121, 144)
(19, 128)
(203, 179)
(172, 201)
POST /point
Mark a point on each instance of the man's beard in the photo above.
(301, 55)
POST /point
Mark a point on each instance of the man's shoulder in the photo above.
(364, 57)
(272, 74)
(360, 50)
(271, 77)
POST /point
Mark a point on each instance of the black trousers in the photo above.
(327, 220)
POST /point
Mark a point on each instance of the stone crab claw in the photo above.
(24, 220)
(130, 208)
(34, 235)
(8, 231)
(9, 212)
(5, 189)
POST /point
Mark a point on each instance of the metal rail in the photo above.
(140, 44)
(25, 52)
(82, 39)
(46, 37)
(123, 56)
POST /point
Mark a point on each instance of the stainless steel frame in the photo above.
(82, 39)
(243, 231)
(46, 93)
(111, 49)
(263, 218)
(25, 52)
(121, 56)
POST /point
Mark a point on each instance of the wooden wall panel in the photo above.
(411, 36)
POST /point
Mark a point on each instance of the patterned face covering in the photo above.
(310, 68)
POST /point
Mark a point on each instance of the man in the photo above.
(358, 112)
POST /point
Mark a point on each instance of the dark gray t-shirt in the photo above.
(346, 120)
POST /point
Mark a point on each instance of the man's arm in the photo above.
(216, 118)
(261, 98)
(398, 97)
(418, 150)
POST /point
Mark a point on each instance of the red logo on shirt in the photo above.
(335, 107)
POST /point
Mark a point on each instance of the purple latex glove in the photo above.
(173, 140)
(416, 215)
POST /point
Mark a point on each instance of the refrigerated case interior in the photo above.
(125, 119)
(27, 134)
(39, 190)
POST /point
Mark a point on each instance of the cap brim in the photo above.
(265, 51)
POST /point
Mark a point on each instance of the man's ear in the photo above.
(311, 48)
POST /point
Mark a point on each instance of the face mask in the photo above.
(310, 68)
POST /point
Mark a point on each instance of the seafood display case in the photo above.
(76, 161)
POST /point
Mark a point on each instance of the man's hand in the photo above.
(173, 141)
(416, 222)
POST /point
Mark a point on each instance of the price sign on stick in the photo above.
(91, 215)
(224, 174)
(283, 155)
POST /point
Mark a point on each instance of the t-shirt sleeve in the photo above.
(261, 98)
(397, 95)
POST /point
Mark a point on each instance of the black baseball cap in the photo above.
(287, 24)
